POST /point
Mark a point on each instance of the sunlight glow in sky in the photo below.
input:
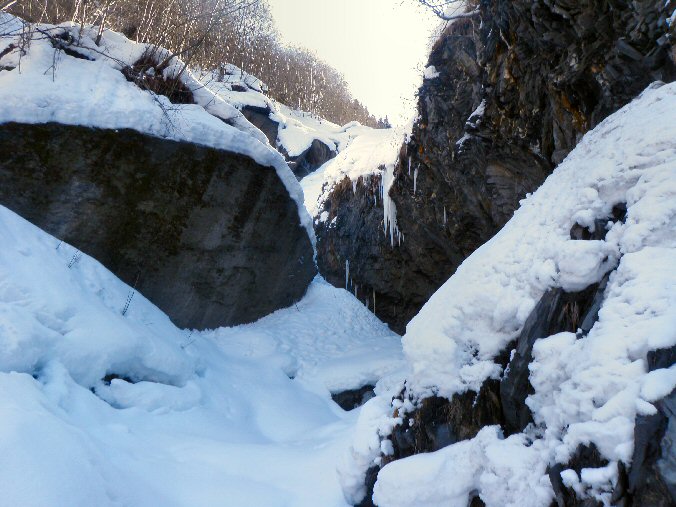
(380, 46)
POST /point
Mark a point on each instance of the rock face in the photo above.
(439, 422)
(436, 422)
(518, 86)
(260, 117)
(652, 477)
(310, 160)
(557, 311)
(210, 237)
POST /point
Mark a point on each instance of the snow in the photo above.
(446, 478)
(586, 390)
(370, 152)
(430, 72)
(47, 85)
(475, 118)
(189, 418)
(296, 129)
(339, 358)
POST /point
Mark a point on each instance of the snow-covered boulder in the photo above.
(137, 164)
(542, 371)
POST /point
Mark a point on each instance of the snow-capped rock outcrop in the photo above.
(305, 140)
(184, 200)
(512, 92)
(542, 371)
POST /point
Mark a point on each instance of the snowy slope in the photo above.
(586, 390)
(297, 129)
(44, 84)
(186, 418)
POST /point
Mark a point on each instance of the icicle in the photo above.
(374, 301)
(415, 180)
(445, 220)
(347, 273)
(356, 288)
(354, 187)
(409, 165)
(389, 208)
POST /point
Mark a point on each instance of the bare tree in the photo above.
(6, 5)
(208, 34)
(449, 10)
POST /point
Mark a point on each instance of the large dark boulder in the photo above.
(211, 237)
(518, 87)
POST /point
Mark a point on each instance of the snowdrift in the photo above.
(103, 408)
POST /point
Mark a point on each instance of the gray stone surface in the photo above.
(211, 237)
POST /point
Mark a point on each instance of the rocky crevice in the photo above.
(353, 398)
(517, 88)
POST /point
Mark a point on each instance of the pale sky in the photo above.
(380, 46)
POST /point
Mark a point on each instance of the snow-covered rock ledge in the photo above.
(178, 194)
(40, 83)
(590, 386)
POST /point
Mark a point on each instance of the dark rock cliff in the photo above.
(211, 237)
(518, 86)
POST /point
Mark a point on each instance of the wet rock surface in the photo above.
(518, 86)
(211, 237)
(439, 422)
